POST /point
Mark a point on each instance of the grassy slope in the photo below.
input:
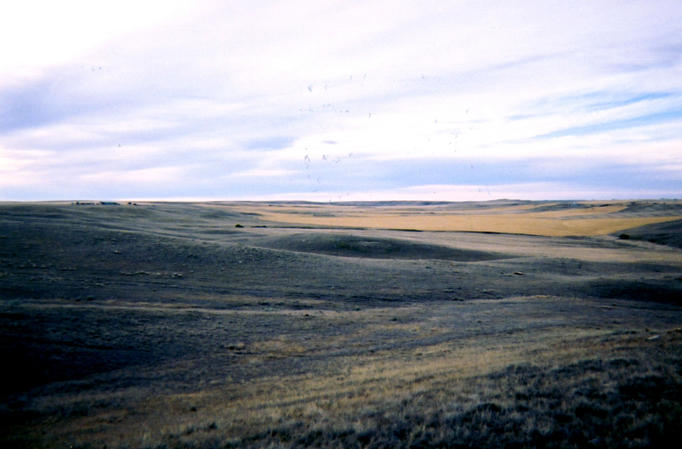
(167, 326)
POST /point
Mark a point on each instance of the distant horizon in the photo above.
(125, 201)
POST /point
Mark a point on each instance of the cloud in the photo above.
(299, 98)
(261, 173)
(613, 125)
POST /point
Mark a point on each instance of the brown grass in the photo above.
(555, 223)
(556, 343)
(380, 382)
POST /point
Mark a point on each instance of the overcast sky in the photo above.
(340, 100)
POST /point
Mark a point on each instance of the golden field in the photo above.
(589, 221)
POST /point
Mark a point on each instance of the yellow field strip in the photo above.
(533, 224)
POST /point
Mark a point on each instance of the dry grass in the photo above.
(530, 224)
(358, 394)
(379, 381)
(583, 221)
(276, 337)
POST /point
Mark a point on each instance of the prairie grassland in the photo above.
(524, 224)
(166, 326)
(440, 363)
(589, 220)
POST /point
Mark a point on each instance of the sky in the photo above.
(340, 100)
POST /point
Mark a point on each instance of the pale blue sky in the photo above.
(341, 100)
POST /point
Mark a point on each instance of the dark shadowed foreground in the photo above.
(213, 326)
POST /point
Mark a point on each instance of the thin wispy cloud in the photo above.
(335, 100)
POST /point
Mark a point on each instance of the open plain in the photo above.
(398, 324)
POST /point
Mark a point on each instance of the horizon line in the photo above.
(129, 201)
